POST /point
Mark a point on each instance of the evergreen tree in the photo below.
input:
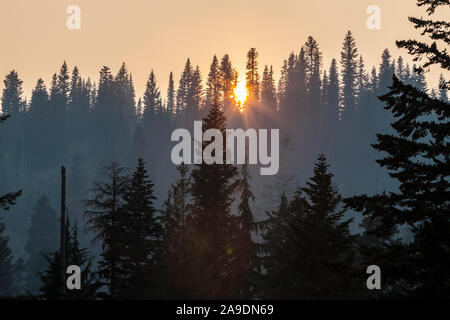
(141, 237)
(170, 95)
(268, 91)
(333, 91)
(228, 81)
(213, 84)
(273, 253)
(348, 72)
(246, 225)
(103, 213)
(42, 238)
(6, 263)
(52, 285)
(385, 72)
(313, 58)
(12, 101)
(152, 99)
(177, 209)
(318, 230)
(213, 263)
(252, 76)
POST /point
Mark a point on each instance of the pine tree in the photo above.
(177, 212)
(252, 76)
(348, 72)
(6, 263)
(42, 238)
(318, 230)
(313, 58)
(268, 91)
(246, 225)
(210, 247)
(184, 95)
(213, 84)
(170, 96)
(141, 236)
(152, 99)
(103, 213)
(333, 90)
(51, 288)
(385, 72)
(12, 100)
(228, 81)
(273, 253)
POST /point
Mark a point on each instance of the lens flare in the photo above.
(240, 94)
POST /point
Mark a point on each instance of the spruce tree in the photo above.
(252, 76)
(141, 235)
(170, 104)
(51, 288)
(152, 100)
(268, 90)
(42, 238)
(12, 100)
(6, 263)
(320, 238)
(103, 213)
(213, 263)
(213, 84)
(417, 157)
(348, 71)
(228, 81)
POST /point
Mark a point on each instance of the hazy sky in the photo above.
(159, 34)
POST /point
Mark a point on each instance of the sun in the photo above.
(240, 94)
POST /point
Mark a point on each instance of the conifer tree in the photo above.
(142, 236)
(6, 263)
(252, 75)
(51, 288)
(12, 100)
(348, 72)
(103, 213)
(213, 84)
(228, 81)
(318, 230)
(213, 263)
(268, 91)
(42, 238)
(152, 99)
(170, 104)
(417, 156)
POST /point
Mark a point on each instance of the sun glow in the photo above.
(240, 94)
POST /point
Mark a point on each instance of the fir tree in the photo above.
(6, 263)
(348, 72)
(213, 84)
(141, 237)
(12, 101)
(268, 91)
(51, 288)
(103, 213)
(170, 104)
(152, 99)
(42, 238)
(252, 76)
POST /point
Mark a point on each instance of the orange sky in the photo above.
(150, 34)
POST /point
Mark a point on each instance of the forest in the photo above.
(363, 179)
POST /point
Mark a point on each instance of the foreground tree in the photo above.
(52, 286)
(418, 158)
(103, 213)
(141, 237)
